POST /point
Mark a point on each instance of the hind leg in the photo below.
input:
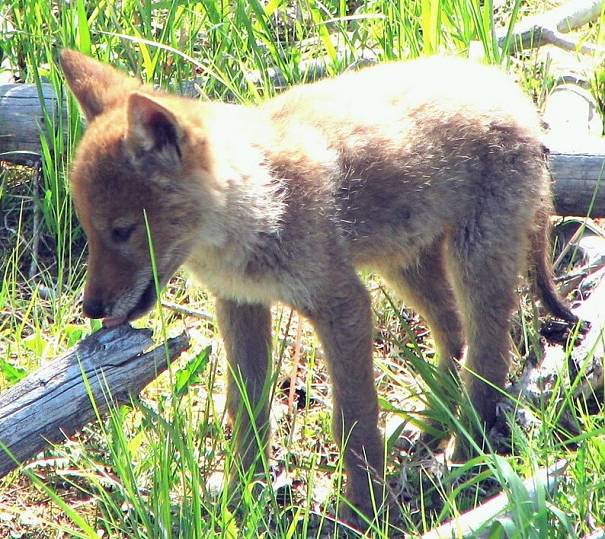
(485, 263)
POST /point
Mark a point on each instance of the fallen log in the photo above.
(54, 402)
(577, 151)
(549, 28)
(474, 522)
(579, 179)
(22, 120)
(576, 163)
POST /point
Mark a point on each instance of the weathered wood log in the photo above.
(22, 119)
(549, 28)
(474, 522)
(576, 163)
(577, 151)
(53, 402)
(579, 180)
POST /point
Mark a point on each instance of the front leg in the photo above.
(342, 319)
(246, 332)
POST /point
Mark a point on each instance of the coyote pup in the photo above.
(430, 172)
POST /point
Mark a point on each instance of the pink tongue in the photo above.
(113, 322)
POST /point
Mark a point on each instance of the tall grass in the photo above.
(146, 471)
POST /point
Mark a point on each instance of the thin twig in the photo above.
(571, 243)
(203, 315)
(33, 266)
(297, 346)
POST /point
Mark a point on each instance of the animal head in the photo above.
(138, 180)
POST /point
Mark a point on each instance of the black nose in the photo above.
(93, 308)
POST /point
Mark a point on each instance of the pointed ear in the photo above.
(152, 127)
(96, 86)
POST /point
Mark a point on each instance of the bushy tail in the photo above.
(541, 272)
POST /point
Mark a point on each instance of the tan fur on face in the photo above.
(431, 172)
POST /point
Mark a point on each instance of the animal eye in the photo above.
(121, 234)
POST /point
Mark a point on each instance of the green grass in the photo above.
(145, 471)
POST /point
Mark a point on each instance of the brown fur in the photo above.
(430, 172)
